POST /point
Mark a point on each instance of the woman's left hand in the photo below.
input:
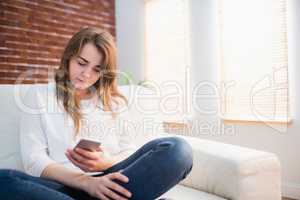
(89, 161)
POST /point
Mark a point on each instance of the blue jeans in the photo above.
(152, 170)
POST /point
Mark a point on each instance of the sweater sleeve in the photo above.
(126, 137)
(33, 141)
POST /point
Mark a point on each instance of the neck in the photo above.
(83, 94)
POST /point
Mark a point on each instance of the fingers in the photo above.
(112, 195)
(116, 187)
(102, 196)
(82, 159)
(99, 148)
(76, 156)
(118, 176)
(106, 188)
(88, 162)
(78, 164)
(88, 154)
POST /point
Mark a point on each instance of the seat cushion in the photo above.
(180, 192)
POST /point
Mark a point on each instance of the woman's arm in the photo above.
(36, 161)
(100, 187)
(98, 160)
(33, 141)
(90, 161)
(58, 172)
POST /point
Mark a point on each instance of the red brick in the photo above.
(33, 34)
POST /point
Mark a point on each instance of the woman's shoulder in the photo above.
(45, 93)
(35, 97)
(41, 89)
(37, 90)
(119, 104)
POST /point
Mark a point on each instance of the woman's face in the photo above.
(84, 69)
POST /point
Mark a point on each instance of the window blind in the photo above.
(167, 54)
(254, 60)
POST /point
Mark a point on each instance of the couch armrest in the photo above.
(234, 172)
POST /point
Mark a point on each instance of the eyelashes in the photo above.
(81, 64)
(96, 70)
(84, 65)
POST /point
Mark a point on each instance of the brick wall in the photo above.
(33, 34)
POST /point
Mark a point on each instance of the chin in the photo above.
(81, 87)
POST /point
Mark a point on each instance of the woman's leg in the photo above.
(153, 169)
(156, 167)
(17, 185)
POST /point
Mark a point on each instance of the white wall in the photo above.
(130, 36)
(205, 68)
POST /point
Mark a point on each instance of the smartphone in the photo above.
(90, 145)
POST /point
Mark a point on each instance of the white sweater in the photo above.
(46, 131)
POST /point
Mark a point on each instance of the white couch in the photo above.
(220, 171)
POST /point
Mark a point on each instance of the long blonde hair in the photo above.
(105, 87)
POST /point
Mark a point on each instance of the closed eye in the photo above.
(96, 69)
(80, 63)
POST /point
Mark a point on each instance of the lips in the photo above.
(82, 81)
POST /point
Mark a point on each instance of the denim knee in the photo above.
(8, 177)
(11, 174)
(181, 154)
(183, 150)
(5, 173)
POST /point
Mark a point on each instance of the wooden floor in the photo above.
(284, 198)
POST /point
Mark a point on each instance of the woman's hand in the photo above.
(105, 188)
(89, 161)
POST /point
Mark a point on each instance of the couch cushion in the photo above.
(9, 129)
(180, 192)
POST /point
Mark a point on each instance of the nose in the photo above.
(87, 72)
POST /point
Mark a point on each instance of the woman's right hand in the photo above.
(105, 188)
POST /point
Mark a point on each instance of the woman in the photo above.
(85, 95)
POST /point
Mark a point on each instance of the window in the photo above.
(167, 54)
(254, 60)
